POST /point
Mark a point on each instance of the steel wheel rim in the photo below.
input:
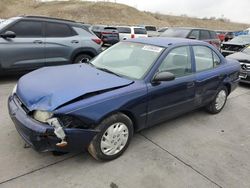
(220, 99)
(114, 139)
(84, 60)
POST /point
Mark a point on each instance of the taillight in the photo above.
(105, 33)
(132, 36)
(97, 41)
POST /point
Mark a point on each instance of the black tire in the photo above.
(211, 108)
(82, 58)
(95, 145)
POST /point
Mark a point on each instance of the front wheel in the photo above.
(82, 58)
(219, 102)
(115, 134)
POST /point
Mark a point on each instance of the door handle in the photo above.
(75, 41)
(190, 85)
(38, 42)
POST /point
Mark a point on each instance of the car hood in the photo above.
(240, 56)
(236, 43)
(50, 87)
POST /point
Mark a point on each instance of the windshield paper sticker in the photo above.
(152, 48)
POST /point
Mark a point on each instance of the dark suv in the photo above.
(31, 42)
(194, 33)
(108, 34)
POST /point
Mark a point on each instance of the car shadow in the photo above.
(245, 85)
(6, 79)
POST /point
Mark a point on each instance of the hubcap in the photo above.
(114, 139)
(220, 100)
(84, 60)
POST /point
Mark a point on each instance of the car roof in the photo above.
(190, 28)
(131, 26)
(51, 19)
(165, 41)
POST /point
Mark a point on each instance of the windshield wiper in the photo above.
(109, 71)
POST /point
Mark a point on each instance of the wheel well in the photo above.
(228, 86)
(127, 113)
(133, 119)
(83, 52)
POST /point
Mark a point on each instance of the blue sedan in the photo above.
(129, 87)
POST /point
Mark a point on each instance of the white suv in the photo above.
(127, 32)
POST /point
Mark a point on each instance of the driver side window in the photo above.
(178, 62)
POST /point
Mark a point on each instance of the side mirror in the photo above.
(192, 37)
(8, 34)
(163, 76)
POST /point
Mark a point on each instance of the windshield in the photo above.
(247, 50)
(128, 59)
(241, 39)
(6, 22)
(176, 32)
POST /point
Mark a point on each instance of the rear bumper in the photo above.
(41, 137)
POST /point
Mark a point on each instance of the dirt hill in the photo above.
(106, 13)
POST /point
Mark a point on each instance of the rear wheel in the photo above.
(115, 134)
(219, 102)
(82, 58)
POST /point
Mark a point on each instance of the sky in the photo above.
(235, 10)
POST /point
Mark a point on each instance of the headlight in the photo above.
(14, 90)
(42, 116)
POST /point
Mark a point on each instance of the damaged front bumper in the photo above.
(41, 136)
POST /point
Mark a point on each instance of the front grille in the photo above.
(245, 65)
(234, 48)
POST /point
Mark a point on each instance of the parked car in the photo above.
(221, 35)
(229, 36)
(128, 32)
(244, 58)
(108, 34)
(151, 30)
(235, 45)
(31, 42)
(193, 33)
(133, 85)
(161, 30)
(97, 29)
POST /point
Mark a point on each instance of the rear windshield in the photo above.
(150, 28)
(140, 31)
(97, 27)
(124, 29)
(176, 32)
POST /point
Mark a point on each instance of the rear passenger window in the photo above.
(204, 35)
(203, 58)
(213, 35)
(140, 31)
(178, 62)
(58, 30)
(26, 29)
(195, 33)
